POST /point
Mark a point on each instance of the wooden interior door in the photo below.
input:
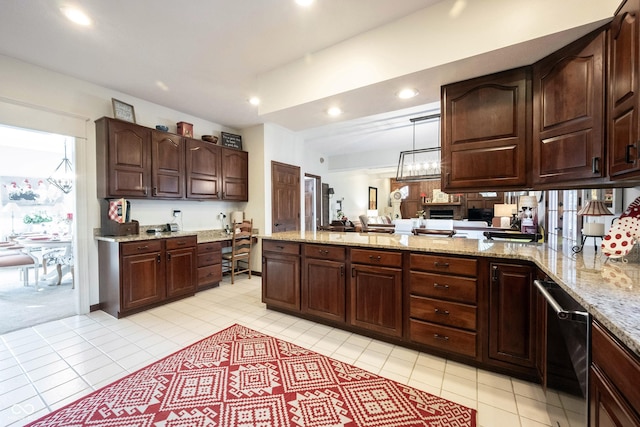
(285, 197)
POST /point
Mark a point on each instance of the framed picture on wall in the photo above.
(373, 198)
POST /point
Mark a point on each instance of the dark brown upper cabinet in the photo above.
(138, 162)
(486, 132)
(568, 113)
(624, 99)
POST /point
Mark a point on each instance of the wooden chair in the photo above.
(241, 242)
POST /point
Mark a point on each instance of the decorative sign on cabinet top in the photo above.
(231, 140)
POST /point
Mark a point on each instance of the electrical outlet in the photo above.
(176, 213)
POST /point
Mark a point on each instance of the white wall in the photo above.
(36, 98)
(353, 189)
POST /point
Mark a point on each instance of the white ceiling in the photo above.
(207, 57)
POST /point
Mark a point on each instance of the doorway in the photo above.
(312, 202)
(37, 206)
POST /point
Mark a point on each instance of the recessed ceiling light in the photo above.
(304, 2)
(407, 93)
(77, 16)
(334, 111)
(254, 100)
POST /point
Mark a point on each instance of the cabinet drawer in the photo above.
(443, 312)
(281, 247)
(141, 247)
(443, 286)
(444, 264)
(209, 274)
(209, 247)
(443, 337)
(335, 253)
(389, 259)
(209, 258)
(617, 363)
(181, 242)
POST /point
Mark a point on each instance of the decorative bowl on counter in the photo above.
(163, 128)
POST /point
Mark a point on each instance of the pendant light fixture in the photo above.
(62, 177)
(422, 164)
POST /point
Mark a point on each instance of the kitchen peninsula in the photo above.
(464, 299)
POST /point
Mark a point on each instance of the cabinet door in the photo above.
(511, 314)
(376, 299)
(485, 142)
(204, 173)
(142, 280)
(568, 112)
(624, 75)
(281, 280)
(129, 171)
(606, 406)
(181, 272)
(235, 174)
(323, 291)
(167, 165)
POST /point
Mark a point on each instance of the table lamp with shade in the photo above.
(594, 229)
(502, 213)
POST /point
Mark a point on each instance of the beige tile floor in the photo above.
(48, 366)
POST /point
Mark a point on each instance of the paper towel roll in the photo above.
(237, 217)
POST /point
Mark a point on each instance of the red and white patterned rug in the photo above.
(244, 378)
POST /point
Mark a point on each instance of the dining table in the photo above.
(44, 247)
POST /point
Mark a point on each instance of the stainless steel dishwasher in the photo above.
(569, 320)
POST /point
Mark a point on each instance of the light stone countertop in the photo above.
(203, 236)
(608, 290)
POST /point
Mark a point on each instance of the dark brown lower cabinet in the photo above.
(324, 282)
(138, 275)
(209, 264)
(376, 299)
(143, 281)
(613, 388)
(181, 267)
(512, 315)
(281, 274)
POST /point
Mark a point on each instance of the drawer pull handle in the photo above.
(441, 264)
(181, 243)
(141, 248)
(438, 285)
(441, 312)
(378, 258)
(323, 252)
(441, 337)
(280, 247)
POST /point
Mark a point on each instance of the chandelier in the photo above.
(63, 176)
(421, 164)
